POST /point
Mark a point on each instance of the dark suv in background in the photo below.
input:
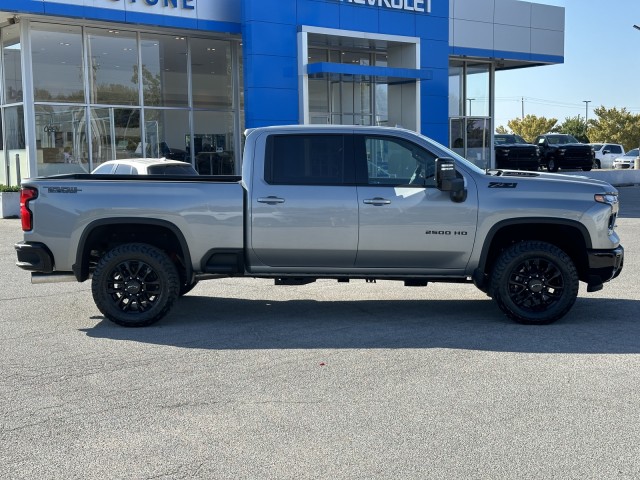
(514, 153)
(559, 150)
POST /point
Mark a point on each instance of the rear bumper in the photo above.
(34, 257)
(604, 265)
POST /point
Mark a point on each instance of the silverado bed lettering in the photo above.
(63, 189)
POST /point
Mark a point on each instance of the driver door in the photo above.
(405, 221)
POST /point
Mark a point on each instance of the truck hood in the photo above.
(552, 179)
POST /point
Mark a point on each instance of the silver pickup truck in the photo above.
(337, 202)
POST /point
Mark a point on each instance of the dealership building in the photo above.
(86, 81)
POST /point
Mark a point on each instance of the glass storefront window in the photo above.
(212, 143)
(456, 93)
(317, 55)
(58, 73)
(90, 86)
(318, 95)
(12, 73)
(61, 139)
(211, 73)
(115, 133)
(479, 141)
(471, 138)
(4, 170)
(113, 64)
(357, 58)
(166, 132)
(457, 135)
(16, 144)
(164, 71)
(478, 85)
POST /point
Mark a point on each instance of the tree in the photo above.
(502, 130)
(575, 126)
(531, 126)
(615, 126)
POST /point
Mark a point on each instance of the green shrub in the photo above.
(9, 188)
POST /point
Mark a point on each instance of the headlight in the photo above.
(562, 151)
(608, 198)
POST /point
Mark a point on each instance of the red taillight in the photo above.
(26, 195)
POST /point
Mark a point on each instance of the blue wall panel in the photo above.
(319, 14)
(269, 71)
(432, 28)
(270, 11)
(397, 23)
(270, 30)
(276, 105)
(358, 18)
(263, 38)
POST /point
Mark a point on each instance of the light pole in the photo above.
(586, 117)
(586, 110)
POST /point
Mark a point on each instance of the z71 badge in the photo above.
(502, 185)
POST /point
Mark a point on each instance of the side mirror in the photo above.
(447, 179)
(606, 152)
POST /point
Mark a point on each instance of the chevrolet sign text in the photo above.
(422, 6)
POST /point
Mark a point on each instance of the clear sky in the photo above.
(601, 64)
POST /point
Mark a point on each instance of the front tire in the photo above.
(552, 165)
(135, 285)
(534, 283)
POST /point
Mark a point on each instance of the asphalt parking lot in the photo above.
(328, 380)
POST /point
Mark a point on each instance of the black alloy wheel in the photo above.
(534, 283)
(135, 285)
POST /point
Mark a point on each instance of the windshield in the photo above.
(561, 139)
(632, 153)
(505, 139)
(597, 146)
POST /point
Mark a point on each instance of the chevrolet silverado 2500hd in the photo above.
(335, 202)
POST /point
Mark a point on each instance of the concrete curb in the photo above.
(617, 178)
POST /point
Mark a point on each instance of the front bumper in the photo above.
(34, 257)
(604, 265)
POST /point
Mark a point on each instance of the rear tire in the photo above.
(135, 285)
(534, 283)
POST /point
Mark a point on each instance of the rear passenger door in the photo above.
(304, 209)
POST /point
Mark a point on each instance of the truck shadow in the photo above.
(594, 326)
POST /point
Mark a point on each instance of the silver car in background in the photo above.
(627, 160)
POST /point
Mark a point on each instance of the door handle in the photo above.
(377, 201)
(271, 200)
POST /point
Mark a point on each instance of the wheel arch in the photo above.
(570, 236)
(104, 234)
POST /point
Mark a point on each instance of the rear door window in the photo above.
(309, 159)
